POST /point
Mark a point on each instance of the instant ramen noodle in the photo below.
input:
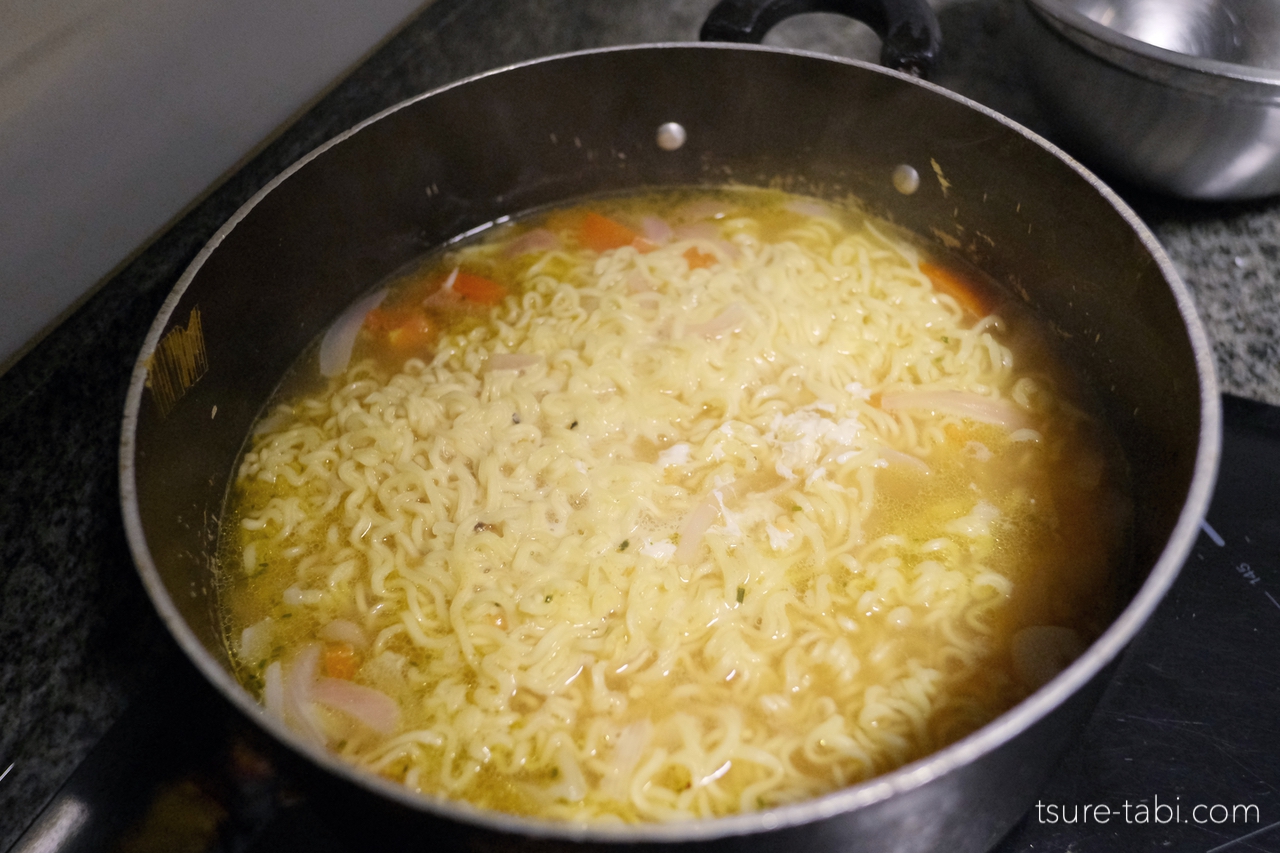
(669, 506)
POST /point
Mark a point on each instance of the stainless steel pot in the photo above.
(1180, 96)
(355, 210)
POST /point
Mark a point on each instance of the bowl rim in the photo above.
(901, 780)
(1148, 60)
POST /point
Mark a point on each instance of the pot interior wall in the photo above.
(545, 132)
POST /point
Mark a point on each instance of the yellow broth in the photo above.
(773, 503)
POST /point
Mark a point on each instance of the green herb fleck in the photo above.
(555, 772)
(573, 425)
(624, 545)
(946, 340)
(742, 593)
(797, 508)
(546, 600)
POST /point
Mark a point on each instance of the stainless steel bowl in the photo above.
(1180, 96)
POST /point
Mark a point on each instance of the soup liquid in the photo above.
(668, 506)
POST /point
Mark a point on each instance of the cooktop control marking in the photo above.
(1246, 571)
(1212, 534)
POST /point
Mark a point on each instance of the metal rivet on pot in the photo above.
(906, 180)
(671, 136)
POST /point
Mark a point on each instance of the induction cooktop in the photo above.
(1182, 753)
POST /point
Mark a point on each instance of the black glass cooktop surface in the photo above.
(1182, 754)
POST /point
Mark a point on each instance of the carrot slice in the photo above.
(380, 321)
(340, 661)
(963, 291)
(407, 328)
(600, 233)
(698, 259)
(477, 288)
(414, 333)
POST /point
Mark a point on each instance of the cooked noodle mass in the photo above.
(666, 507)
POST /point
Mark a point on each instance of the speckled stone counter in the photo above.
(78, 638)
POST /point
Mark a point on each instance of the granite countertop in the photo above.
(78, 634)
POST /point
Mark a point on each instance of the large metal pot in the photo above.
(358, 208)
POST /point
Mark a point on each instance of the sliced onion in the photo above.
(373, 708)
(512, 361)
(537, 240)
(695, 527)
(573, 783)
(344, 631)
(961, 404)
(655, 229)
(731, 319)
(273, 689)
(299, 685)
(340, 339)
(255, 641)
(975, 525)
(897, 457)
(627, 753)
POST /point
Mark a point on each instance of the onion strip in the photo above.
(340, 339)
(961, 404)
(695, 526)
(373, 708)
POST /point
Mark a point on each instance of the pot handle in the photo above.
(910, 39)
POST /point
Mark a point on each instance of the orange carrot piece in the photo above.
(414, 333)
(340, 661)
(698, 259)
(407, 328)
(380, 321)
(476, 288)
(958, 288)
(600, 233)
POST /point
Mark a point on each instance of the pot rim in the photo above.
(905, 778)
(1178, 70)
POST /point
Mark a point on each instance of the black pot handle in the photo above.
(910, 39)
